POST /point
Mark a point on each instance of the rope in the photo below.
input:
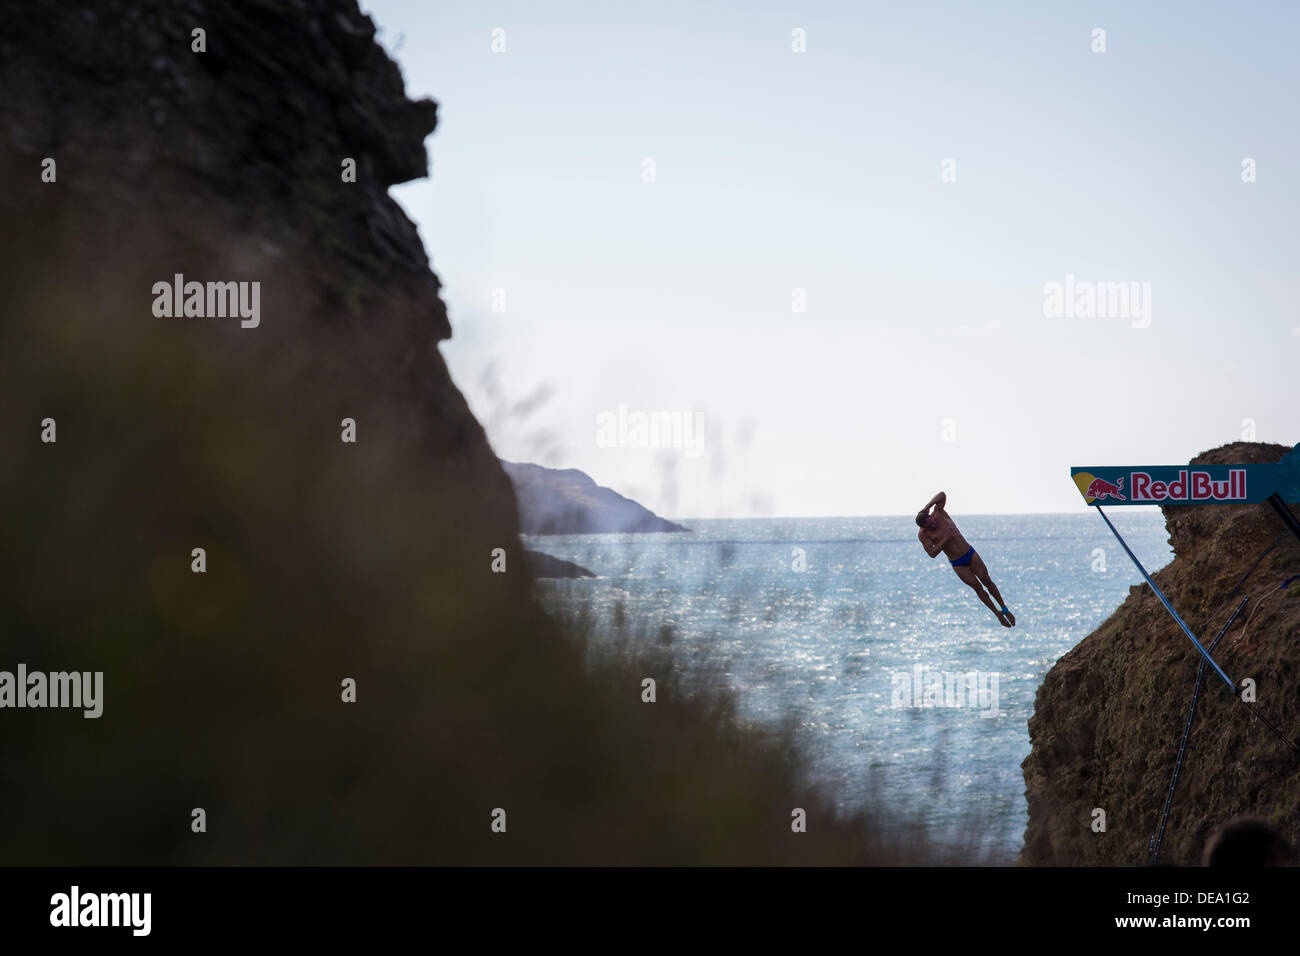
(1264, 596)
(1159, 838)
(1250, 705)
(1249, 571)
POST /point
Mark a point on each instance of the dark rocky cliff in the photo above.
(325, 560)
(1109, 716)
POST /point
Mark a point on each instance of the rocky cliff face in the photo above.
(228, 165)
(1109, 716)
(184, 515)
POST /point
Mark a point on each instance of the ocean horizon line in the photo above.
(1144, 509)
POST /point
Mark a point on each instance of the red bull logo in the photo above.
(1192, 484)
(1162, 486)
(1100, 489)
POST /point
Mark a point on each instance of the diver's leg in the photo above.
(968, 576)
(982, 574)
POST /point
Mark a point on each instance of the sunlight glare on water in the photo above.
(838, 643)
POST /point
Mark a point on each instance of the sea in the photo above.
(901, 688)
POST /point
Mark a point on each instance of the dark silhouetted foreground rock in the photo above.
(326, 561)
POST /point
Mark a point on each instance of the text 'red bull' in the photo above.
(1189, 486)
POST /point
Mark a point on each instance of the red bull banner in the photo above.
(1189, 484)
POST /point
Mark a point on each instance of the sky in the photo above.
(837, 264)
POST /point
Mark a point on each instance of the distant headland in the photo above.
(568, 501)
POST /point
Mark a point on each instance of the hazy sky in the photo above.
(925, 358)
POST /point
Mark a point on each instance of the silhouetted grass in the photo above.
(324, 561)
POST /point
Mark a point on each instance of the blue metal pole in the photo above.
(1165, 601)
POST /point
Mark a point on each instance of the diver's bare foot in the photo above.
(1009, 616)
(1002, 619)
